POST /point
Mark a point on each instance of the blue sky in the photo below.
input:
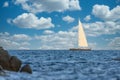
(52, 24)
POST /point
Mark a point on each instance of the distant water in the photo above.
(67, 65)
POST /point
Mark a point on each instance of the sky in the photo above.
(52, 24)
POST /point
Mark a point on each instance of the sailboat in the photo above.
(82, 41)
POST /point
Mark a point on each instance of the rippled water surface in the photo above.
(67, 65)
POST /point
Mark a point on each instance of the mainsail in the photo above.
(82, 42)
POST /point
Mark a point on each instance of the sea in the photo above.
(67, 65)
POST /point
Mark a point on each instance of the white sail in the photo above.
(82, 42)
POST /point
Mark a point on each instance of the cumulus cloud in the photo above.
(25, 43)
(29, 20)
(48, 32)
(4, 34)
(59, 40)
(6, 4)
(87, 18)
(9, 21)
(24, 48)
(36, 6)
(104, 12)
(20, 37)
(114, 43)
(8, 44)
(14, 41)
(68, 19)
(100, 28)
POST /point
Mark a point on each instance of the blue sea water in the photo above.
(67, 65)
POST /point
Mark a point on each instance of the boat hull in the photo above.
(80, 49)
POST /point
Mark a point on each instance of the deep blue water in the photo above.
(67, 65)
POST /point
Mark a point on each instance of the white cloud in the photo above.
(14, 41)
(104, 12)
(74, 5)
(6, 4)
(24, 48)
(4, 34)
(87, 18)
(29, 20)
(36, 6)
(25, 43)
(68, 19)
(9, 20)
(100, 28)
(21, 37)
(59, 40)
(114, 43)
(48, 32)
(8, 44)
